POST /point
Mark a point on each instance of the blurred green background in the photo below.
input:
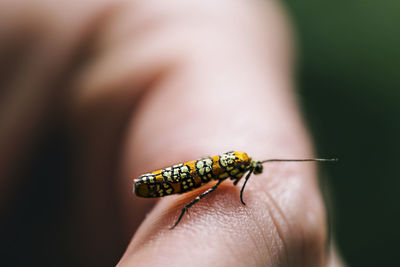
(349, 61)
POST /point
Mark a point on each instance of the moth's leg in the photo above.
(244, 184)
(194, 201)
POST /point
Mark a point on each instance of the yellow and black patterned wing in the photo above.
(172, 180)
(187, 176)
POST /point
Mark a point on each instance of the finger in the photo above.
(207, 105)
(39, 45)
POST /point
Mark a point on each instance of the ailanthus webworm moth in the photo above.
(187, 176)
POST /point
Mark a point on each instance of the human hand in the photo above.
(171, 82)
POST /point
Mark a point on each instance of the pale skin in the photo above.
(167, 82)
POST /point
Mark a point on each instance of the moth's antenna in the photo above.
(272, 160)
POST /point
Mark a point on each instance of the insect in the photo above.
(185, 177)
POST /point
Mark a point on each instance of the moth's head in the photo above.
(257, 166)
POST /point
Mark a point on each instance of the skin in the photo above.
(164, 83)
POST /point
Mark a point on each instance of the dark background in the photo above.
(349, 61)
